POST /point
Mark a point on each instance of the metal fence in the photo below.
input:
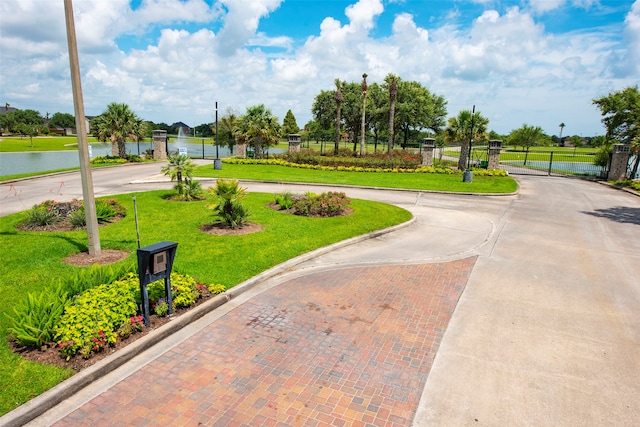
(551, 163)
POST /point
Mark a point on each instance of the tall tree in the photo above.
(289, 124)
(29, 117)
(621, 117)
(227, 126)
(526, 137)
(117, 123)
(62, 120)
(417, 109)
(378, 108)
(459, 131)
(338, 98)
(259, 128)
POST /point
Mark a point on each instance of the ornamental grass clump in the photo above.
(51, 212)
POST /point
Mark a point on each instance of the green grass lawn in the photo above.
(414, 181)
(13, 144)
(34, 259)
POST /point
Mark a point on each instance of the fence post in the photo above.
(495, 145)
(619, 162)
(427, 147)
(160, 144)
(550, 163)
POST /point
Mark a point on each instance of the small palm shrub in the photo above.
(178, 165)
(324, 205)
(226, 204)
(189, 190)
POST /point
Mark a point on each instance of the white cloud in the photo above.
(241, 22)
(190, 54)
(543, 6)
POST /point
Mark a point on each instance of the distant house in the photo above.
(185, 129)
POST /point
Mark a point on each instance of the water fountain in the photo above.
(181, 142)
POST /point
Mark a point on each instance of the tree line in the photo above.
(393, 112)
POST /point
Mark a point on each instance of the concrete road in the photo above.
(547, 330)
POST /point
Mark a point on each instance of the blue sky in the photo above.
(539, 62)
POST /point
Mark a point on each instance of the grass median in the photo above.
(414, 181)
(34, 259)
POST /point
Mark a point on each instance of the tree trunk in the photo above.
(464, 155)
(393, 91)
(122, 149)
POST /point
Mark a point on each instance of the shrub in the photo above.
(284, 200)
(108, 160)
(227, 206)
(35, 318)
(103, 308)
(162, 308)
(184, 290)
(326, 204)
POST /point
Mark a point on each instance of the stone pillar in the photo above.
(619, 162)
(495, 145)
(294, 143)
(428, 145)
(160, 144)
(241, 150)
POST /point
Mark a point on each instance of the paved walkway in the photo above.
(540, 292)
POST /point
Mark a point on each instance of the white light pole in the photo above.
(217, 163)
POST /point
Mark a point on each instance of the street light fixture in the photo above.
(217, 163)
(467, 176)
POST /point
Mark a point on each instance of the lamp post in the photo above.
(217, 163)
(467, 176)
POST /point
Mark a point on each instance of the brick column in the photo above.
(428, 145)
(495, 145)
(619, 162)
(294, 142)
(160, 144)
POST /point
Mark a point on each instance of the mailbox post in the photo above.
(154, 263)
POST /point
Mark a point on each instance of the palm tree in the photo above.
(364, 107)
(258, 128)
(179, 165)
(117, 123)
(393, 93)
(562, 125)
(459, 129)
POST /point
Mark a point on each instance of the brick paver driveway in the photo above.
(350, 346)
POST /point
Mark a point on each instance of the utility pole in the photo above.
(93, 235)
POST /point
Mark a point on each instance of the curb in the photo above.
(52, 397)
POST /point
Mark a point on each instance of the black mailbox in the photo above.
(154, 263)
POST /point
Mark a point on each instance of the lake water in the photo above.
(26, 162)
